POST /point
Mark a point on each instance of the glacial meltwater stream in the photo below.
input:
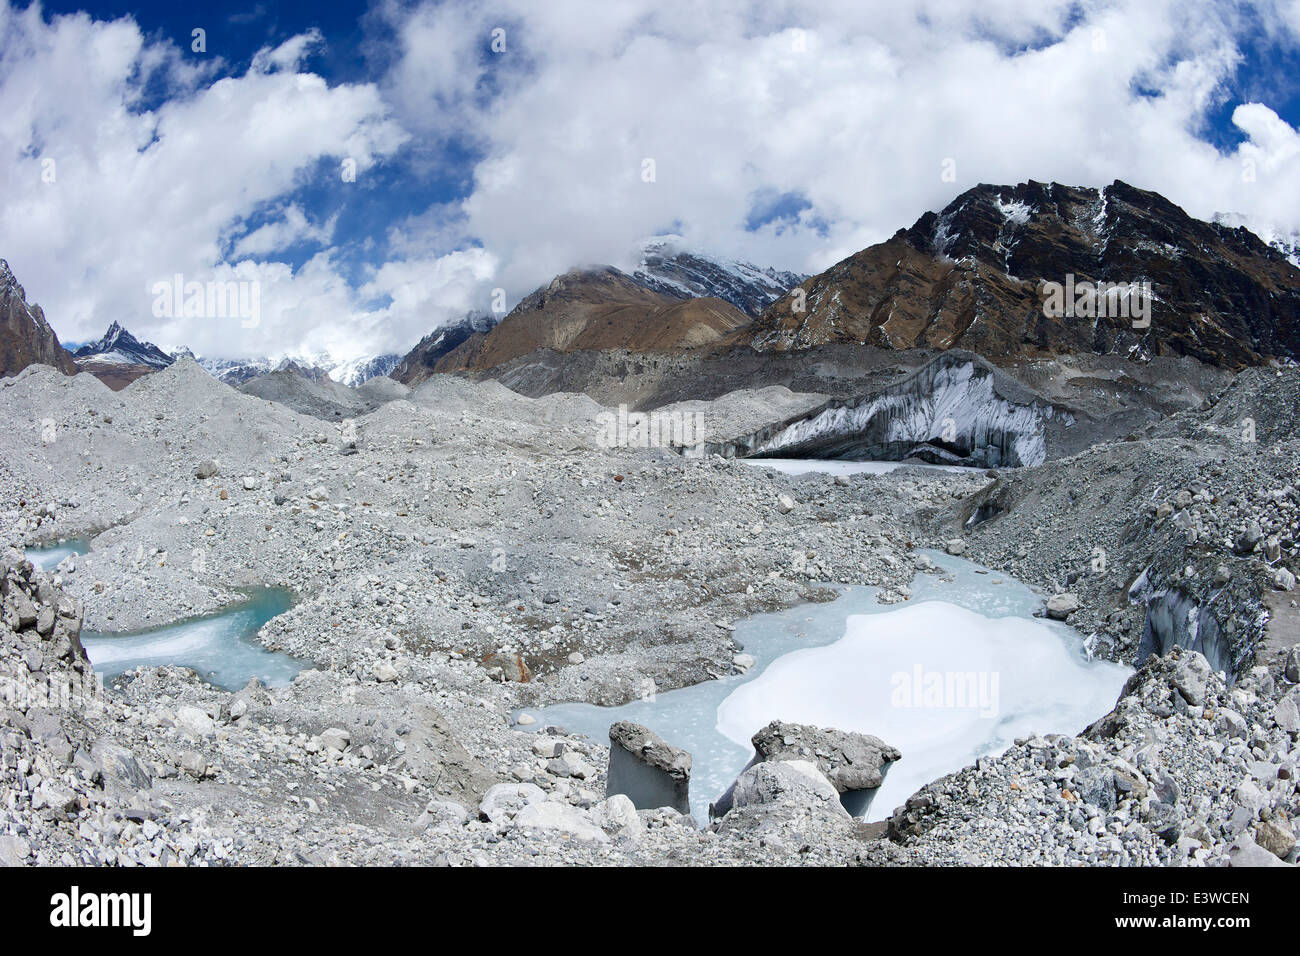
(222, 647)
(955, 673)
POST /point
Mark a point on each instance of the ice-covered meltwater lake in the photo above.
(958, 672)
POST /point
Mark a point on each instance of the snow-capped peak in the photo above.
(119, 346)
(669, 268)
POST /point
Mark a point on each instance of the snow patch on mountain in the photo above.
(667, 267)
(1014, 212)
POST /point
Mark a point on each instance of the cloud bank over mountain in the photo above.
(494, 145)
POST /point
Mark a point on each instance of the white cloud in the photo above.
(141, 195)
(851, 107)
(292, 227)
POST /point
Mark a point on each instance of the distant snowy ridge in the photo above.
(669, 269)
(361, 370)
(351, 372)
(1285, 242)
(118, 346)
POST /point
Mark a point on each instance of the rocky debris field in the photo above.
(1197, 520)
(466, 521)
(461, 552)
(167, 770)
(1182, 771)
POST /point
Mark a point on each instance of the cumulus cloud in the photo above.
(791, 133)
(854, 110)
(104, 199)
(291, 228)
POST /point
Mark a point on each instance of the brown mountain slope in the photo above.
(972, 275)
(25, 337)
(597, 309)
(116, 375)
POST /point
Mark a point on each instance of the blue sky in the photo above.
(355, 50)
(789, 134)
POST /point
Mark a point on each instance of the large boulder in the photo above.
(1191, 676)
(503, 801)
(194, 722)
(559, 818)
(442, 814)
(118, 768)
(617, 815)
(852, 763)
(14, 851)
(1245, 852)
(507, 666)
(1061, 606)
(651, 772)
(790, 782)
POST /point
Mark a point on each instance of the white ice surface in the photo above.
(966, 614)
(943, 684)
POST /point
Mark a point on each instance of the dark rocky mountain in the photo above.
(685, 275)
(1283, 240)
(971, 276)
(25, 337)
(419, 363)
(675, 299)
(119, 358)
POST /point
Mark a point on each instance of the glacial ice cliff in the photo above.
(952, 411)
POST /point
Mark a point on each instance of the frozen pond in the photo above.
(222, 647)
(955, 673)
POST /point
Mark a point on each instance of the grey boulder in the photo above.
(796, 782)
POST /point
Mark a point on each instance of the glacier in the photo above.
(952, 411)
